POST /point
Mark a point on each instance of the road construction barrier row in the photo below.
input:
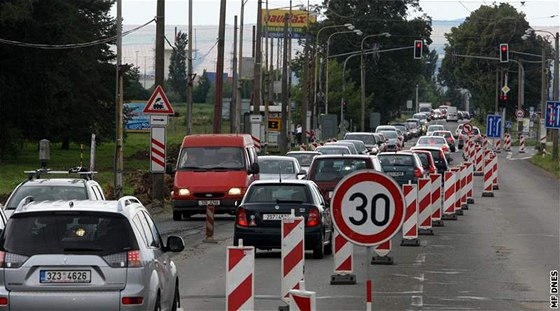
(522, 143)
(507, 142)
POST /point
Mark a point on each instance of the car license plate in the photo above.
(275, 216)
(395, 174)
(65, 276)
(209, 202)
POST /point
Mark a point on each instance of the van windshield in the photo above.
(208, 158)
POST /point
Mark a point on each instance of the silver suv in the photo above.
(41, 185)
(86, 255)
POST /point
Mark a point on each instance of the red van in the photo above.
(213, 169)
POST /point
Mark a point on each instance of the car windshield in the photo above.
(68, 233)
(304, 159)
(435, 127)
(396, 160)
(412, 124)
(431, 140)
(333, 150)
(389, 134)
(47, 193)
(367, 139)
(444, 134)
(211, 158)
(278, 192)
(328, 170)
(275, 166)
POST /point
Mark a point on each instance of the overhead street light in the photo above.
(357, 32)
(363, 78)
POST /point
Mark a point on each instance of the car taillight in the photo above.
(432, 169)
(417, 172)
(3, 301)
(445, 148)
(130, 259)
(132, 300)
(9, 260)
(134, 259)
(313, 218)
(242, 217)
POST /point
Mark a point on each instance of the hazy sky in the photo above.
(206, 12)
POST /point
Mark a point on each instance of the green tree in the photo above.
(178, 67)
(132, 88)
(60, 94)
(480, 35)
(201, 89)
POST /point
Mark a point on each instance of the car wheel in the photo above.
(177, 299)
(157, 306)
(319, 250)
(177, 216)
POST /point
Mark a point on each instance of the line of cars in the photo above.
(64, 247)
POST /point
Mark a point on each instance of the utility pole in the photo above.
(118, 173)
(190, 76)
(258, 61)
(555, 93)
(284, 130)
(220, 70)
(157, 178)
(233, 107)
(239, 85)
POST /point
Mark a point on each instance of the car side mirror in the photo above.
(175, 244)
(254, 168)
(169, 169)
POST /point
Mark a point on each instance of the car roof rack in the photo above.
(81, 171)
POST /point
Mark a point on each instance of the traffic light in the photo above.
(503, 98)
(418, 49)
(504, 53)
(344, 106)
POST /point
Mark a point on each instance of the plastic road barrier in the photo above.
(293, 254)
(522, 144)
(487, 192)
(498, 145)
(382, 250)
(210, 224)
(302, 300)
(495, 185)
(479, 163)
(240, 285)
(424, 206)
(470, 182)
(436, 200)
(410, 228)
(507, 142)
(449, 196)
(464, 186)
(343, 258)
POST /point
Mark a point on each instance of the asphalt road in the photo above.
(497, 256)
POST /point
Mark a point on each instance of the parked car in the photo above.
(87, 255)
(327, 170)
(440, 160)
(435, 141)
(280, 168)
(333, 149)
(47, 185)
(402, 166)
(367, 138)
(448, 137)
(266, 203)
(304, 158)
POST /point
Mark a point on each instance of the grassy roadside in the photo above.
(136, 153)
(547, 164)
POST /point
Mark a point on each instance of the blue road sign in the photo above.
(552, 116)
(508, 124)
(493, 126)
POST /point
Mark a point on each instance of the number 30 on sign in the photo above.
(368, 208)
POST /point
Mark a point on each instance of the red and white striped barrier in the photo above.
(257, 143)
(343, 259)
(449, 196)
(293, 254)
(457, 205)
(467, 148)
(484, 142)
(302, 300)
(522, 143)
(435, 182)
(210, 224)
(303, 147)
(463, 174)
(498, 145)
(382, 250)
(507, 142)
(472, 152)
(495, 185)
(368, 295)
(487, 192)
(424, 207)
(240, 285)
(410, 227)
(470, 182)
(479, 163)
(401, 142)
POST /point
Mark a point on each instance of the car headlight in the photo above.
(234, 191)
(184, 192)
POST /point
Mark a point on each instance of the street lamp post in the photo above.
(363, 78)
(349, 26)
(356, 31)
(554, 85)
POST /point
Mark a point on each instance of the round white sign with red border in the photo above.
(468, 128)
(520, 113)
(367, 208)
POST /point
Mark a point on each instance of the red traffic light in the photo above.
(417, 49)
(504, 52)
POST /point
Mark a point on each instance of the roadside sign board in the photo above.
(159, 120)
(520, 113)
(508, 124)
(493, 126)
(468, 128)
(158, 103)
(157, 150)
(552, 116)
(505, 89)
(367, 208)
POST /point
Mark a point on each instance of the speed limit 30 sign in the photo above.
(367, 208)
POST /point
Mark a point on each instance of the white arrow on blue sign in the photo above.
(493, 126)
(552, 116)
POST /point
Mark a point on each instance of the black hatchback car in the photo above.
(267, 202)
